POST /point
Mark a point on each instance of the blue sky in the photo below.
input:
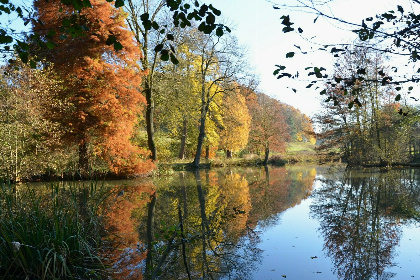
(258, 28)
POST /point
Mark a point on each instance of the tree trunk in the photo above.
(83, 158)
(181, 154)
(267, 152)
(228, 154)
(205, 230)
(207, 152)
(201, 136)
(149, 236)
(267, 175)
(150, 108)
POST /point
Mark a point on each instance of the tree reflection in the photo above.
(200, 229)
(274, 190)
(201, 225)
(360, 219)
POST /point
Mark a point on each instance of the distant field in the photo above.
(300, 147)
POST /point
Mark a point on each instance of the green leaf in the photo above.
(23, 56)
(287, 29)
(210, 19)
(5, 39)
(410, 88)
(144, 17)
(32, 64)
(290, 54)
(174, 60)
(398, 97)
(219, 32)
(111, 40)
(119, 3)
(158, 48)
(323, 92)
(50, 45)
(398, 88)
(215, 11)
(361, 71)
(164, 55)
(77, 5)
(170, 37)
(118, 46)
(23, 46)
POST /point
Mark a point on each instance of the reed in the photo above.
(51, 232)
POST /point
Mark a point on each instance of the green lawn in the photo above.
(300, 147)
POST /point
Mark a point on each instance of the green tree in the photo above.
(29, 141)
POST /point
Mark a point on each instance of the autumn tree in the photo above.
(368, 129)
(220, 63)
(28, 140)
(177, 99)
(269, 131)
(101, 83)
(236, 121)
(147, 39)
(300, 125)
(152, 24)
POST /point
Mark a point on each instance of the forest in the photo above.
(89, 107)
(117, 89)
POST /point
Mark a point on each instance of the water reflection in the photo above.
(360, 219)
(202, 225)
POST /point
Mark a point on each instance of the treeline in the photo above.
(373, 129)
(89, 107)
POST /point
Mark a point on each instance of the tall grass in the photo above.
(52, 232)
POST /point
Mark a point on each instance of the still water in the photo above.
(298, 222)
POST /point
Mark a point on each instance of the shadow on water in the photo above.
(361, 215)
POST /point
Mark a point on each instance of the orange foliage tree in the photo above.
(101, 83)
(269, 130)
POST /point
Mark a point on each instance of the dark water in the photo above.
(275, 223)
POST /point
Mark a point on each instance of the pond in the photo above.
(293, 222)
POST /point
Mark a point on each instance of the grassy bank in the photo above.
(51, 233)
(296, 152)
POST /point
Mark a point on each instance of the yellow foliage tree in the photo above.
(237, 123)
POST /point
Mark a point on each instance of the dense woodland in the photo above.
(118, 90)
(89, 107)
